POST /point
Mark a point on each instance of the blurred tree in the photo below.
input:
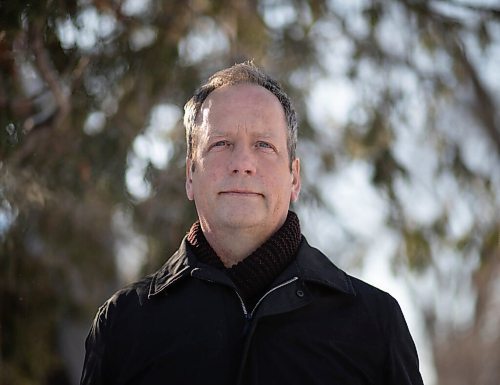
(92, 149)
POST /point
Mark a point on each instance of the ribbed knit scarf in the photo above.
(253, 275)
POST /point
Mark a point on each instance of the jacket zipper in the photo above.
(245, 311)
(246, 326)
(269, 292)
(248, 317)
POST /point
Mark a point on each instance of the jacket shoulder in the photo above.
(125, 300)
(380, 306)
(374, 298)
(365, 289)
(135, 292)
(130, 298)
(319, 268)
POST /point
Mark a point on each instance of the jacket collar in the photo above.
(311, 265)
(316, 267)
(178, 266)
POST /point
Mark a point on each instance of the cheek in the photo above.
(279, 187)
(213, 163)
(211, 176)
(208, 175)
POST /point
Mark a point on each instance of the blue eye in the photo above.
(265, 145)
(221, 143)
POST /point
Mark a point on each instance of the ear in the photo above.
(296, 184)
(189, 179)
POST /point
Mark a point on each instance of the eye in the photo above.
(265, 145)
(220, 144)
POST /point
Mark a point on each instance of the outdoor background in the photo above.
(399, 139)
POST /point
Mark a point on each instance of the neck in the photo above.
(232, 252)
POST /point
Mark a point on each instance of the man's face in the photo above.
(241, 176)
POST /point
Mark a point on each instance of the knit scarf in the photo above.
(253, 275)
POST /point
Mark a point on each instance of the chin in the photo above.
(243, 218)
(242, 222)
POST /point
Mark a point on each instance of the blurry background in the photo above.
(399, 139)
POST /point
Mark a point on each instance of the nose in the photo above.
(242, 162)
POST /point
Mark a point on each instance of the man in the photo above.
(245, 299)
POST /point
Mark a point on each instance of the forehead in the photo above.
(242, 101)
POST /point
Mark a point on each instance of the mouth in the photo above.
(242, 193)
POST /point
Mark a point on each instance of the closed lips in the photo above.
(240, 192)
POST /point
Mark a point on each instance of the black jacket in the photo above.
(186, 324)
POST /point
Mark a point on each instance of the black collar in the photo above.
(311, 265)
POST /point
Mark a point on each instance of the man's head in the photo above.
(238, 74)
(241, 169)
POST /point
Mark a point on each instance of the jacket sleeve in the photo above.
(403, 365)
(95, 345)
